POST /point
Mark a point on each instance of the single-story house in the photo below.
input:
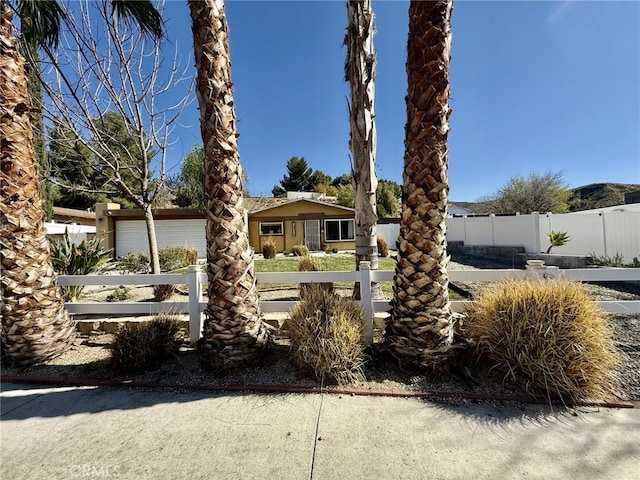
(303, 221)
(73, 216)
(287, 222)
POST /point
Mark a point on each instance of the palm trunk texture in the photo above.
(35, 324)
(360, 73)
(421, 329)
(234, 332)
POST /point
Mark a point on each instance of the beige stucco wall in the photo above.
(296, 213)
(105, 225)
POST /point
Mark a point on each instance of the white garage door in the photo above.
(131, 235)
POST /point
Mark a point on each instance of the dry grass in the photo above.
(269, 249)
(383, 248)
(548, 338)
(163, 292)
(143, 346)
(326, 333)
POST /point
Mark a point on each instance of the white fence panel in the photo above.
(456, 229)
(603, 232)
(622, 234)
(390, 232)
(196, 279)
(585, 231)
(479, 231)
(518, 230)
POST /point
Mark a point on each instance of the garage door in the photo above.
(131, 235)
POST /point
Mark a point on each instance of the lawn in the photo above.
(332, 263)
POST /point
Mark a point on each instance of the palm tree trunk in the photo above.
(421, 329)
(360, 73)
(35, 324)
(234, 332)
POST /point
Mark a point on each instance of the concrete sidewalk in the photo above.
(89, 432)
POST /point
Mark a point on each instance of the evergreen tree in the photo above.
(297, 179)
(188, 186)
(387, 195)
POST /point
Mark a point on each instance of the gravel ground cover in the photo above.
(90, 357)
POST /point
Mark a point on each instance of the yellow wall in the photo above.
(105, 225)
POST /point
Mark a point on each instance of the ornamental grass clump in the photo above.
(145, 345)
(308, 263)
(269, 249)
(383, 247)
(326, 333)
(548, 338)
(163, 292)
(299, 250)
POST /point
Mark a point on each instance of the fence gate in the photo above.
(312, 235)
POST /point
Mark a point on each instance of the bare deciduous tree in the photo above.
(115, 73)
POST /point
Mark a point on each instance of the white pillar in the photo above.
(195, 297)
(366, 299)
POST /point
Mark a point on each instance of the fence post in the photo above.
(493, 229)
(604, 234)
(195, 297)
(537, 244)
(367, 301)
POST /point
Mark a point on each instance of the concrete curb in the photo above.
(528, 399)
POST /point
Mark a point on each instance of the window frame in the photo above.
(340, 220)
(279, 224)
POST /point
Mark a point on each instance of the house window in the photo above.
(271, 228)
(339, 230)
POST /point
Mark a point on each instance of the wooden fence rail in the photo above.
(196, 280)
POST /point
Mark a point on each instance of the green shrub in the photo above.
(300, 250)
(82, 259)
(134, 263)
(163, 292)
(334, 250)
(604, 261)
(269, 249)
(326, 333)
(120, 294)
(307, 263)
(172, 258)
(383, 248)
(145, 345)
(548, 338)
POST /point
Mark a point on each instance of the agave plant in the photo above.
(69, 258)
(557, 239)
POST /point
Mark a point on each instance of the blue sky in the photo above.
(535, 87)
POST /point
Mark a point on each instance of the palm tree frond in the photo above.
(40, 21)
(143, 12)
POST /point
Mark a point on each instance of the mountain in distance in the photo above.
(600, 195)
(587, 197)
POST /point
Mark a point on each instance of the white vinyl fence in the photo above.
(196, 279)
(77, 233)
(605, 232)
